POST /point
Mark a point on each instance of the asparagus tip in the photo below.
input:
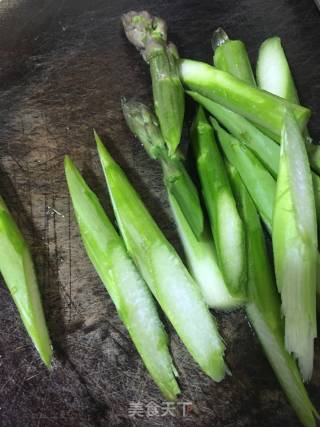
(219, 37)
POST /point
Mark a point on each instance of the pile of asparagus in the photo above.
(259, 173)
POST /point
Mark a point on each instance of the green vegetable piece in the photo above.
(227, 227)
(149, 35)
(294, 235)
(232, 56)
(130, 294)
(260, 107)
(164, 272)
(263, 308)
(17, 269)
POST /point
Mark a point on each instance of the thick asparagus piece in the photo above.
(294, 235)
(17, 269)
(198, 246)
(232, 56)
(226, 224)
(263, 308)
(149, 35)
(259, 182)
(130, 294)
(265, 149)
(164, 272)
(262, 108)
(274, 75)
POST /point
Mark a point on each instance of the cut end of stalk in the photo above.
(143, 29)
(104, 155)
(219, 37)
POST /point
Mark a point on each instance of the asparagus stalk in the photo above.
(130, 294)
(263, 308)
(294, 236)
(149, 35)
(231, 56)
(274, 75)
(198, 247)
(265, 149)
(17, 269)
(259, 182)
(262, 108)
(227, 227)
(164, 272)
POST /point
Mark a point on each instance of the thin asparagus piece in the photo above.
(265, 149)
(263, 308)
(17, 269)
(259, 182)
(274, 75)
(130, 294)
(226, 224)
(164, 272)
(231, 56)
(262, 108)
(198, 247)
(294, 235)
(149, 35)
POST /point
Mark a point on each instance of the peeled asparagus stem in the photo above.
(17, 269)
(130, 294)
(164, 272)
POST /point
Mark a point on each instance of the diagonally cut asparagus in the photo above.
(126, 287)
(226, 224)
(17, 269)
(262, 108)
(149, 35)
(263, 308)
(232, 56)
(164, 272)
(274, 75)
(198, 247)
(294, 235)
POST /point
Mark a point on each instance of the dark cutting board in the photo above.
(63, 67)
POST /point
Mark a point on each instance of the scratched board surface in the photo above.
(64, 65)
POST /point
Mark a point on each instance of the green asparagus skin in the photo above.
(260, 107)
(294, 235)
(263, 308)
(149, 35)
(17, 269)
(232, 56)
(227, 227)
(127, 289)
(164, 272)
(144, 125)
(259, 182)
(274, 75)
(264, 148)
(198, 246)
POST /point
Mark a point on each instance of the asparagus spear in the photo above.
(198, 247)
(263, 308)
(149, 35)
(294, 236)
(274, 75)
(259, 182)
(164, 272)
(265, 149)
(17, 269)
(262, 108)
(231, 56)
(227, 227)
(127, 289)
